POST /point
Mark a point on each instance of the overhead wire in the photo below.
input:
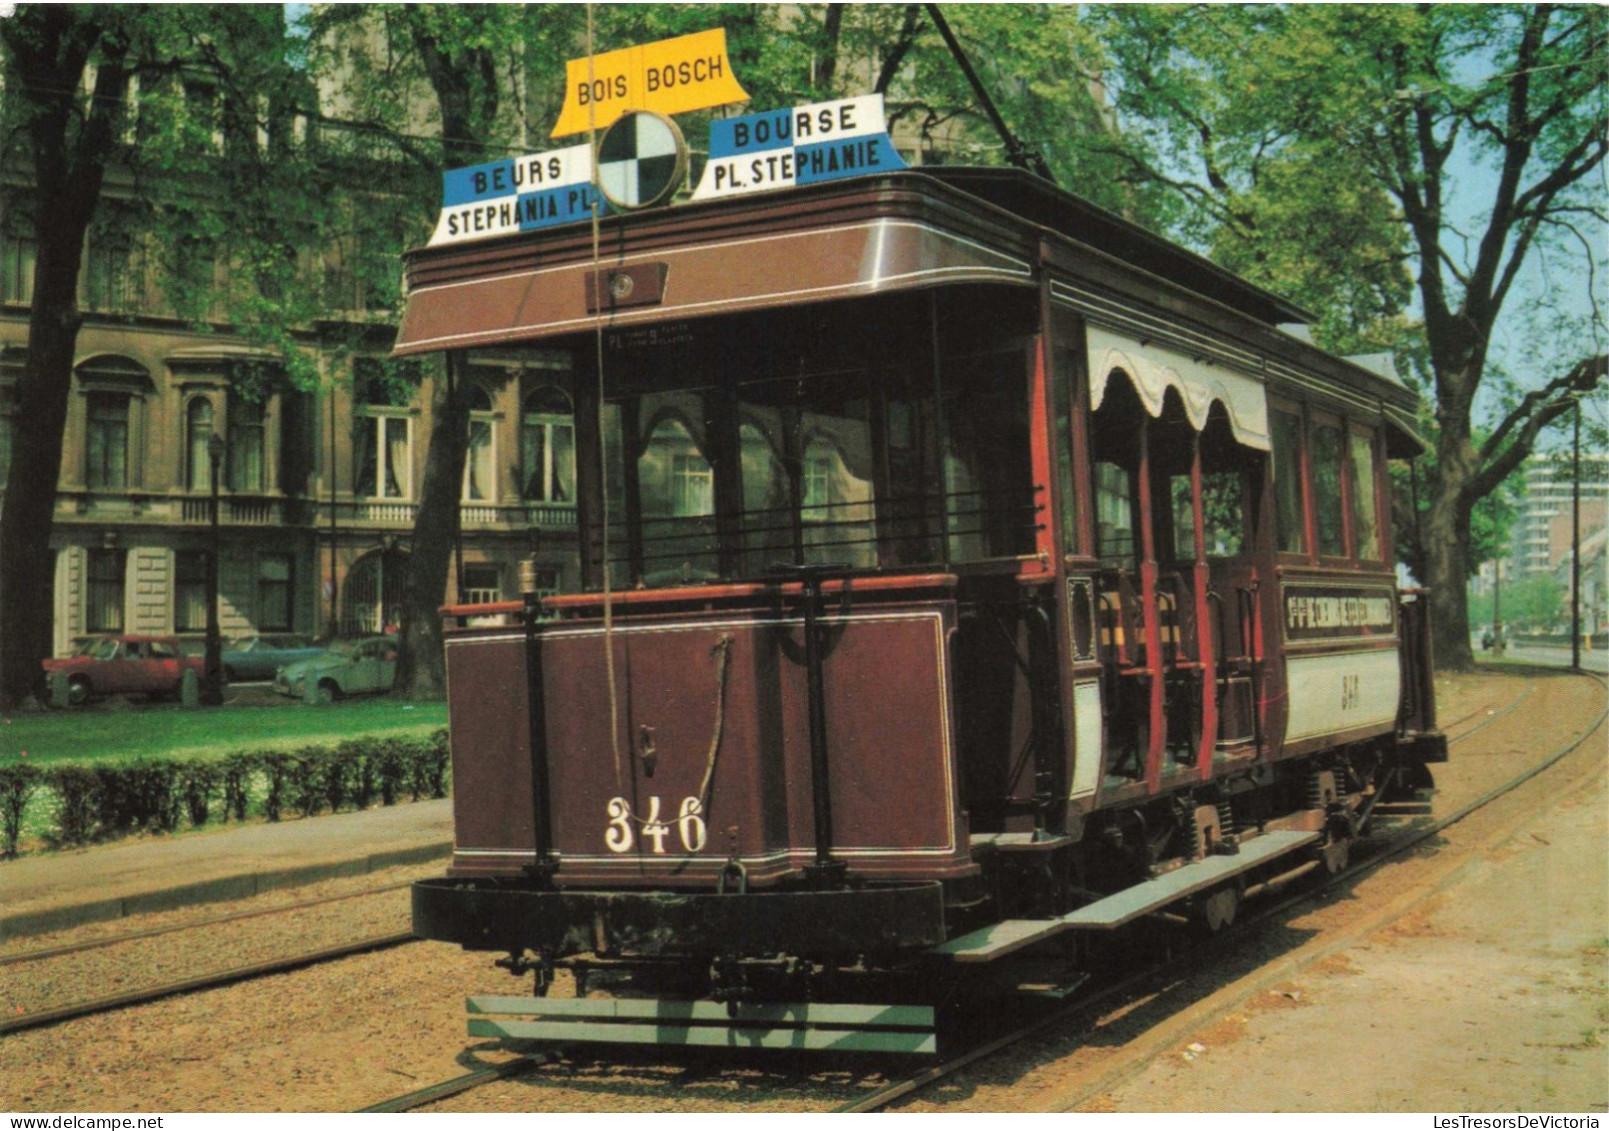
(603, 431)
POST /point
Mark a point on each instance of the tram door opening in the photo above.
(1176, 536)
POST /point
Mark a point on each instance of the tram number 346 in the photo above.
(620, 834)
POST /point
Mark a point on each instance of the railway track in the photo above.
(1095, 1000)
(1105, 997)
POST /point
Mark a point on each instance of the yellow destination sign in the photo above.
(673, 76)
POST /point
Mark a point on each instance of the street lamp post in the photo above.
(1575, 542)
(212, 668)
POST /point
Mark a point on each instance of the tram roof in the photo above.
(918, 228)
(1038, 201)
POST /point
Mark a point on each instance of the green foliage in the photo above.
(17, 785)
(1534, 604)
(76, 790)
(198, 783)
(153, 794)
(1491, 518)
(237, 772)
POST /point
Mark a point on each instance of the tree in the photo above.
(201, 156)
(1422, 107)
(49, 51)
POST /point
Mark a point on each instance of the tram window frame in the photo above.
(1340, 506)
(844, 373)
(1296, 442)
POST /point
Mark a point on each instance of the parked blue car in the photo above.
(259, 657)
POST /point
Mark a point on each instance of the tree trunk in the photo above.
(421, 672)
(27, 567)
(50, 48)
(1446, 525)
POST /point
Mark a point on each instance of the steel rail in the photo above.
(1107, 994)
(430, 1093)
(156, 932)
(45, 1017)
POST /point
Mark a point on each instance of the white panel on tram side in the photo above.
(1341, 692)
(1086, 738)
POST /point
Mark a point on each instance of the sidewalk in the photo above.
(58, 890)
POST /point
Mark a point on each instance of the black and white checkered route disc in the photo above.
(641, 160)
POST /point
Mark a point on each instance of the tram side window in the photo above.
(1222, 512)
(1329, 517)
(677, 491)
(1365, 506)
(987, 480)
(1290, 532)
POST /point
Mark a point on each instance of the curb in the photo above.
(241, 886)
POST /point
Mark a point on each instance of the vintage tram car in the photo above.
(962, 568)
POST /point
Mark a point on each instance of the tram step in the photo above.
(817, 1026)
(999, 939)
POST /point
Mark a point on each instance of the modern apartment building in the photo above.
(1542, 530)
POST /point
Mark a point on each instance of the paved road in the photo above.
(1553, 655)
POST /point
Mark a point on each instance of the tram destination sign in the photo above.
(517, 194)
(823, 141)
(672, 76)
(1327, 612)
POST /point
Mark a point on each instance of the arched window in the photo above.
(480, 482)
(197, 437)
(547, 447)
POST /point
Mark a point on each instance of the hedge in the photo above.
(78, 804)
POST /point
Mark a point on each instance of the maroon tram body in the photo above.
(959, 566)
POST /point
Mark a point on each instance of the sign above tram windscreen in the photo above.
(824, 141)
(757, 152)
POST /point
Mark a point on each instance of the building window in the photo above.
(107, 440)
(104, 594)
(480, 461)
(1289, 529)
(386, 457)
(111, 271)
(482, 585)
(1329, 517)
(18, 253)
(692, 486)
(275, 608)
(197, 440)
(248, 467)
(547, 447)
(190, 591)
(383, 430)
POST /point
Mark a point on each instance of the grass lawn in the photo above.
(122, 733)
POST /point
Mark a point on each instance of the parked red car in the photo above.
(124, 665)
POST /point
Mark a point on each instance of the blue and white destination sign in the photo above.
(824, 141)
(517, 194)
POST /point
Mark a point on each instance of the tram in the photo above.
(963, 570)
